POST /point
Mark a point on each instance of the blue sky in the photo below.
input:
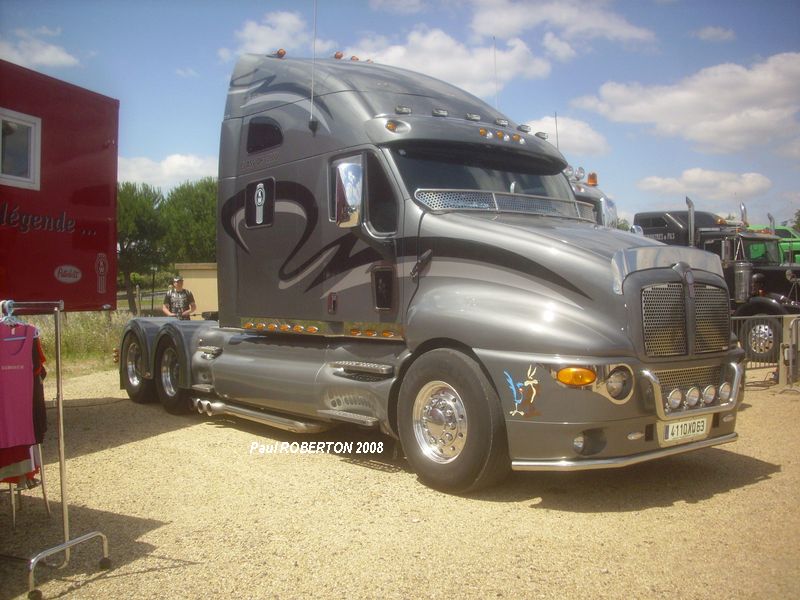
(663, 98)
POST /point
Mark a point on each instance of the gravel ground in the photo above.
(191, 510)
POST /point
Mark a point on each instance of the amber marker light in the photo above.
(248, 325)
(284, 327)
(387, 334)
(272, 327)
(576, 376)
(355, 332)
(312, 329)
(298, 329)
(391, 126)
(261, 326)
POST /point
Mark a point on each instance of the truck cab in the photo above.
(599, 207)
(393, 253)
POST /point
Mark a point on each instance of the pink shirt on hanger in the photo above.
(16, 385)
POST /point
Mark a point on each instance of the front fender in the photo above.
(758, 305)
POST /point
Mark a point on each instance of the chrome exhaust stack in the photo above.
(213, 408)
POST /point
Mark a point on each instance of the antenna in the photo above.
(312, 124)
(494, 54)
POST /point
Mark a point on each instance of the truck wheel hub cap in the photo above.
(440, 422)
(761, 339)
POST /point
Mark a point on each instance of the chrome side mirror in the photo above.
(349, 192)
(637, 229)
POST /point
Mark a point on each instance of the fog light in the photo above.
(725, 392)
(709, 393)
(618, 384)
(674, 399)
(578, 443)
(693, 396)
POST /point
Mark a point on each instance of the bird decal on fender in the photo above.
(524, 393)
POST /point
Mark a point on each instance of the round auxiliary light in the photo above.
(579, 442)
(674, 399)
(576, 376)
(709, 393)
(725, 392)
(693, 396)
(618, 383)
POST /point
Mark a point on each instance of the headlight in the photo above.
(618, 383)
(709, 393)
(725, 392)
(674, 399)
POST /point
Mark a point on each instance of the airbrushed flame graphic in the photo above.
(331, 260)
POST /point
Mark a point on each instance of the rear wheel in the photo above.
(451, 424)
(168, 374)
(132, 359)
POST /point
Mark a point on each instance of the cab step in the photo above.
(348, 417)
(354, 366)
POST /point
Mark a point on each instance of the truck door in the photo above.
(364, 204)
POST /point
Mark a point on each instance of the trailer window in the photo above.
(20, 149)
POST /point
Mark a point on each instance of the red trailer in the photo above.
(58, 191)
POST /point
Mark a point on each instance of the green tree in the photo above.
(797, 220)
(140, 232)
(190, 215)
(623, 224)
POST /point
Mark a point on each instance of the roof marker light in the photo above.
(402, 110)
(338, 55)
(280, 53)
(439, 112)
(541, 135)
(472, 117)
(501, 122)
(524, 128)
(354, 58)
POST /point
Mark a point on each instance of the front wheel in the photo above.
(762, 336)
(132, 359)
(451, 424)
(168, 373)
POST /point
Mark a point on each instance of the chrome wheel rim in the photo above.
(761, 338)
(440, 422)
(133, 365)
(169, 372)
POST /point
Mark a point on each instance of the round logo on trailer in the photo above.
(68, 274)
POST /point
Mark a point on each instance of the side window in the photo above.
(262, 134)
(381, 202)
(20, 149)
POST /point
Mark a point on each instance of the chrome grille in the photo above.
(686, 378)
(666, 325)
(664, 320)
(712, 319)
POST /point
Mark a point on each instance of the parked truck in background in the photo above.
(603, 208)
(789, 242)
(761, 284)
(395, 254)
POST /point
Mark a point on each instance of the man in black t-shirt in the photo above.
(179, 302)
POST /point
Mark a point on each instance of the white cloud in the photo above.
(282, 29)
(724, 188)
(187, 73)
(557, 48)
(166, 174)
(405, 7)
(714, 34)
(29, 50)
(724, 108)
(573, 19)
(470, 68)
(575, 138)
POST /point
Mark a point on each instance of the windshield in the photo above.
(762, 252)
(465, 168)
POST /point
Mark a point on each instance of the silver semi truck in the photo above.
(393, 253)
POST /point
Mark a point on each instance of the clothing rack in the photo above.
(56, 308)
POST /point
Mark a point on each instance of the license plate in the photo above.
(684, 430)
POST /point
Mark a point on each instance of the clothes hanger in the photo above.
(8, 318)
